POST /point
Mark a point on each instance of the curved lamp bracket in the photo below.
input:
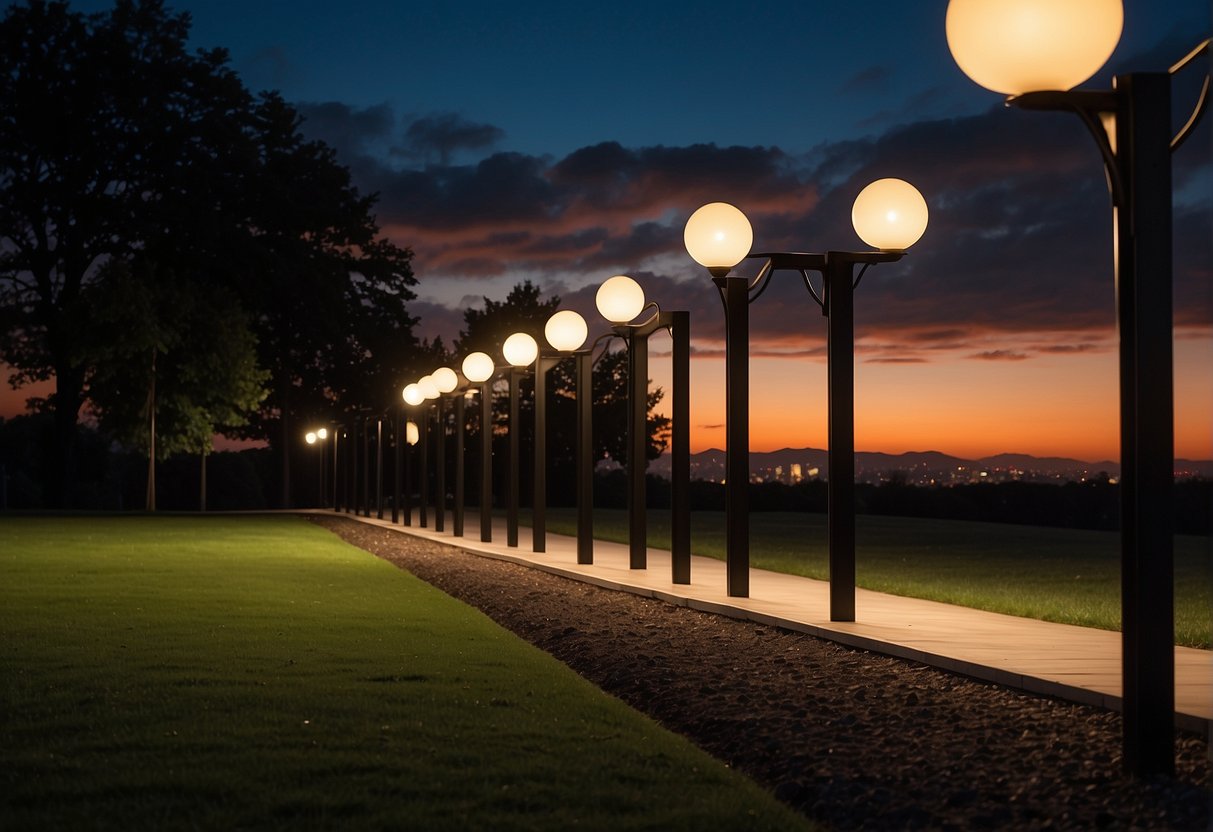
(1202, 102)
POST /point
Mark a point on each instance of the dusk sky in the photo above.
(568, 142)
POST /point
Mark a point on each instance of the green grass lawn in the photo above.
(1065, 575)
(215, 673)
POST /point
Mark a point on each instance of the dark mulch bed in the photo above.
(850, 738)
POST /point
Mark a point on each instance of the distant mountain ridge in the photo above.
(709, 464)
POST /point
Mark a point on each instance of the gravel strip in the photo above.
(852, 739)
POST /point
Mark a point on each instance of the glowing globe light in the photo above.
(413, 395)
(428, 388)
(310, 438)
(322, 434)
(619, 299)
(478, 367)
(411, 434)
(1016, 46)
(520, 349)
(566, 331)
(889, 214)
(445, 379)
(718, 236)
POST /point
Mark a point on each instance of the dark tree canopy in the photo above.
(116, 141)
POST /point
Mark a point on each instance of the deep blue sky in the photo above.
(565, 142)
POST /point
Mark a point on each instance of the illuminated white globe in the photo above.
(520, 349)
(889, 214)
(566, 331)
(445, 379)
(428, 388)
(411, 434)
(310, 438)
(1017, 46)
(619, 299)
(322, 434)
(478, 367)
(718, 236)
(413, 395)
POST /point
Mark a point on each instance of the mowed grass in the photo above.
(1066, 575)
(216, 673)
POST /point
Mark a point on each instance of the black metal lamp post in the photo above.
(445, 381)
(1131, 124)
(565, 332)
(379, 468)
(430, 391)
(479, 369)
(312, 437)
(890, 215)
(520, 351)
(621, 300)
(413, 398)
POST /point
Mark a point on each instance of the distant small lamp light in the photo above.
(322, 434)
(413, 395)
(478, 367)
(1018, 46)
(445, 379)
(619, 299)
(310, 438)
(889, 214)
(718, 236)
(411, 434)
(520, 349)
(566, 331)
(428, 388)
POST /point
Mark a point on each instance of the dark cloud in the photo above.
(999, 355)
(1019, 242)
(350, 131)
(872, 78)
(437, 137)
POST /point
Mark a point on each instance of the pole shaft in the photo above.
(486, 462)
(638, 436)
(440, 466)
(397, 467)
(840, 347)
(460, 425)
(585, 457)
(737, 435)
(366, 467)
(423, 477)
(680, 450)
(512, 475)
(1144, 301)
(379, 468)
(539, 498)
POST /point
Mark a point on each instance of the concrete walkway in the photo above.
(1075, 663)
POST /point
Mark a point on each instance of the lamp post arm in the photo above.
(1202, 102)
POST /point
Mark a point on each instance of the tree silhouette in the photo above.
(117, 142)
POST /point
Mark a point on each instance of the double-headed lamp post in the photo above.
(621, 300)
(520, 351)
(566, 331)
(889, 215)
(1035, 52)
(479, 369)
(429, 389)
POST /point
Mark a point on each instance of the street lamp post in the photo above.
(478, 369)
(379, 467)
(430, 391)
(719, 237)
(413, 397)
(445, 380)
(889, 215)
(621, 300)
(520, 351)
(565, 332)
(1037, 67)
